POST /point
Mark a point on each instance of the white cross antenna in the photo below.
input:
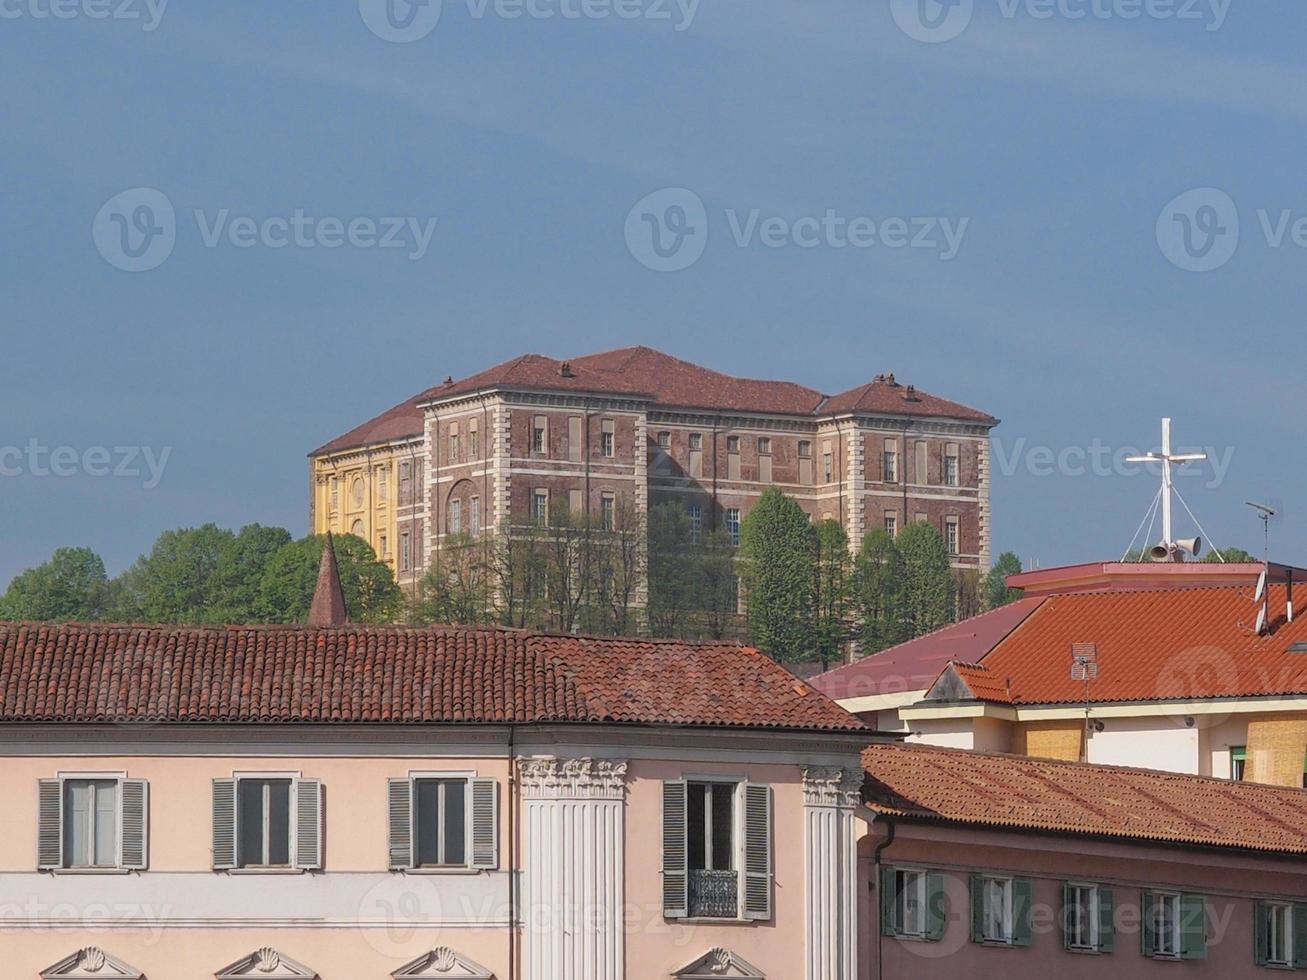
(1169, 549)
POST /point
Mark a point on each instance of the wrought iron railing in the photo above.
(714, 894)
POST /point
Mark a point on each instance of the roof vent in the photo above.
(565, 369)
(1299, 647)
(449, 380)
(889, 380)
(911, 394)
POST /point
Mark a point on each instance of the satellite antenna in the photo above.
(1169, 549)
(1084, 667)
(1265, 512)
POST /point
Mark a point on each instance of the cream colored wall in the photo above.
(377, 510)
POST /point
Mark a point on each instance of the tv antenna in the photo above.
(1265, 512)
(1084, 667)
(1169, 549)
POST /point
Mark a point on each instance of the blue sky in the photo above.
(1059, 141)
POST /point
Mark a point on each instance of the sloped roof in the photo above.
(1020, 793)
(1168, 644)
(642, 372)
(447, 675)
(971, 682)
(914, 666)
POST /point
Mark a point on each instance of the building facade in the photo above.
(355, 803)
(628, 429)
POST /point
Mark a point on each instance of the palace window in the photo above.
(951, 468)
(474, 516)
(385, 547)
(442, 821)
(733, 524)
(263, 821)
(665, 441)
(890, 463)
(540, 435)
(455, 525)
(405, 552)
(716, 849)
(267, 821)
(608, 512)
(405, 483)
(356, 529)
(440, 818)
(892, 525)
(383, 483)
(356, 490)
(696, 440)
(335, 494)
(710, 825)
(453, 445)
(540, 507)
(696, 521)
(608, 440)
(827, 467)
(951, 535)
(732, 444)
(92, 822)
(764, 446)
(473, 440)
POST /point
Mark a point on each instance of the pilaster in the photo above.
(855, 482)
(830, 796)
(983, 511)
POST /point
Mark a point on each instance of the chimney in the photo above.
(565, 371)
(328, 607)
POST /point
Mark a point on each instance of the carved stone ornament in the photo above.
(91, 963)
(832, 787)
(579, 779)
(266, 963)
(442, 963)
(719, 964)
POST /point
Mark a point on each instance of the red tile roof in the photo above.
(983, 684)
(645, 373)
(1168, 644)
(98, 673)
(913, 666)
(1014, 792)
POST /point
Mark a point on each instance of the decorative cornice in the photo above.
(579, 779)
(832, 786)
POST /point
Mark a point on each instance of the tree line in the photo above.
(791, 586)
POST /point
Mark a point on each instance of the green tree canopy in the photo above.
(997, 592)
(179, 581)
(672, 570)
(778, 554)
(1231, 555)
(72, 585)
(878, 579)
(833, 591)
(371, 594)
(927, 583)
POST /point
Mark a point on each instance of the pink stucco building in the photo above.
(358, 803)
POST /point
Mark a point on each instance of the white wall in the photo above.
(1147, 743)
(950, 733)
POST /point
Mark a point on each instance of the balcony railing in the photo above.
(714, 895)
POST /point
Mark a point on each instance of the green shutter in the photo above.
(888, 894)
(1193, 927)
(1147, 927)
(1022, 907)
(1300, 937)
(936, 907)
(977, 909)
(1106, 921)
(1261, 941)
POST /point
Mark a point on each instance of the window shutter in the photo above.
(1066, 915)
(1193, 927)
(977, 909)
(485, 823)
(1300, 937)
(224, 824)
(1106, 920)
(135, 822)
(757, 851)
(1148, 927)
(1261, 941)
(308, 824)
(400, 799)
(936, 907)
(888, 901)
(50, 823)
(675, 878)
(1022, 906)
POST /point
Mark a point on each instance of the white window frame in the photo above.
(734, 524)
(891, 525)
(1280, 919)
(474, 515)
(405, 551)
(465, 776)
(890, 464)
(952, 537)
(118, 777)
(952, 470)
(1176, 938)
(608, 511)
(1092, 898)
(455, 518)
(540, 514)
(1006, 920)
(292, 823)
(737, 834)
(764, 445)
(695, 510)
(921, 883)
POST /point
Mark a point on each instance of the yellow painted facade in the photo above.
(357, 492)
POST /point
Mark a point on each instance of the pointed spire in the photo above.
(328, 607)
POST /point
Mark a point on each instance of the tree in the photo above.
(778, 555)
(457, 589)
(927, 592)
(72, 585)
(878, 579)
(673, 570)
(833, 591)
(240, 569)
(997, 592)
(1231, 555)
(717, 583)
(619, 563)
(371, 595)
(179, 580)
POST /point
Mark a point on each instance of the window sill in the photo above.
(909, 938)
(91, 871)
(266, 871)
(441, 871)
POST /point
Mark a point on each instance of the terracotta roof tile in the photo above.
(97, 673)
(645, 373)
(1015, 792)
(983, 683)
